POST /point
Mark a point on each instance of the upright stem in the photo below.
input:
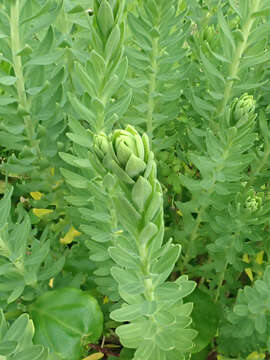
(18, 69)
(194, 233)
(148, 281)
(234, 68)
(221, 279)
(152, 87)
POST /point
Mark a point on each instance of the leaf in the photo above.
(84, 112)
(249, 61)
(15, 294)
(65, 319)
(105, 18)
(141, 192)
(130, 335)
(8, 80)
(205, 318)
(166, 262)
(263, 12)
(53, 270)
(124, 258)
(225, 28)
(112, 42)
(74, 179)
(85, 80)
(17, 329)
(36, 352)
(7, 347)
(5, 206)
(46, 59)
(211, 68)
(127, 313)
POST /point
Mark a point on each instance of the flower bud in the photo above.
(101, 145)
(244, 107)
(129, 150)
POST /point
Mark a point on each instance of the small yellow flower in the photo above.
(42, 212)
(70, 235)
(36, 195)
(51, 282)
(245, 258)
(256, 356)
(95, 356)
(259, 257)
(249, 273)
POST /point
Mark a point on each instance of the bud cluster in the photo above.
(125, 151)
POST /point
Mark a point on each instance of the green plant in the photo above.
(134, 179)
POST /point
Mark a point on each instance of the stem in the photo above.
(234, 68)
(222, 276)
(259, 168)
(148, 282)
(18, 69)
(194, 233)
(152, 87)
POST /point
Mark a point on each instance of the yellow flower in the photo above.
(70, 235)
(36, 195)
(42, 212)
(95, 356)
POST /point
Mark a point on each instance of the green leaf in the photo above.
(17, 292)
(141, 192)
(249, 61)
(130, 335)
(263, 12)
(74, 179)
(53, 270)
(46, 59)
(34, 353)
(84, 112)
(260, 323)
(8, 80)
(18, 328)
(166, 262)
(85, 80)
(105, 18)
(127, 313)
(123, 258)
(211, 68)
(112, 42)
(225, 28)
(65, 320)
(7, 347)
(5, 206)
(205, 318)
(98, 63)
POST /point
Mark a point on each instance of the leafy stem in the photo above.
(241, 47)
(152, 86)
(221, 279)
(18, 70)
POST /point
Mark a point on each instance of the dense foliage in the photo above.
(134, 179)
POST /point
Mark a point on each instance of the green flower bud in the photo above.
(101, 145)
(253, 201)
(130, 151)
(244, 107)
(125, 153)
